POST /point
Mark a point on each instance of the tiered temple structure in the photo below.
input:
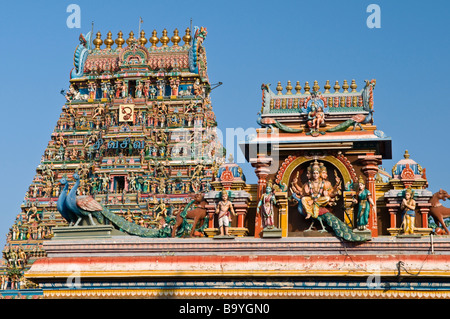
(134, 198)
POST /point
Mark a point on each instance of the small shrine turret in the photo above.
(230, 178)
(408, 177)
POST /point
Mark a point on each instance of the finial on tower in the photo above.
(109, 41)
(353, 85)
(154, 39)
(289, 88)
(98, 41)
(142, 40)
(298, 88)
(130, 38)
(176, 38)
(279, 88)
(345, 86)
(307, 88)
(327, 87)
(164, 39)
(187, 37)
(316, 86)
(336, 87)
(120, 41)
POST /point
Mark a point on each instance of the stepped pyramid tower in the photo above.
(137, 128)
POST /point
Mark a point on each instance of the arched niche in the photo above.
(336, 171)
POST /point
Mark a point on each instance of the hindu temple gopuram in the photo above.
(135, 196)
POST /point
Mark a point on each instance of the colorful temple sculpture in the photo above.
(134, 196)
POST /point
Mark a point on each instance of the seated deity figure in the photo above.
(317, 192)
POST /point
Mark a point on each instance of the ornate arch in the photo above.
(292, 162)
(134, 55)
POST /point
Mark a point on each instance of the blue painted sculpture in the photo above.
(61, 204)
(83, 206)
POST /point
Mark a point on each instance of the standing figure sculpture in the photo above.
(408, 207)
(365, 203)
(224, 207)
(265, 207)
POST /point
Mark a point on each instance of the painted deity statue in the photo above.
(317, 194)
(314, 191)
(365, 203)
(224, 207)
(408, 207)
(265, 207)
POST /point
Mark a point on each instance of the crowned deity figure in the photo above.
(365, 203)
(408, 207)
(265, 207)
(317, 194)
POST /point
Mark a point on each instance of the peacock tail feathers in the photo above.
(341, 229)
(129, 227)
(287, 128)
(342, 127)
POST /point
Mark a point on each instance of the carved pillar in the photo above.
(240, 209)
(111, 182)
(349, 208)
(393, 208)
(210, 210)
(261, 164)
(424, 210)
(282, 203)
(370, 163)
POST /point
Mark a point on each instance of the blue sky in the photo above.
(248, 43)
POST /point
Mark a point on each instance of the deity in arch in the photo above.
(265, 207)
(365, 202)
(315, 195)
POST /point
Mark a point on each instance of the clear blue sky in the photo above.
(248, 43)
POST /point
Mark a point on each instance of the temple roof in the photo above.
(91, 61)
(338, 101)
(407, 165)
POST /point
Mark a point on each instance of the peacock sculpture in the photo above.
(83, 206)
(340, 228)
(76, 208)
(61, 204)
